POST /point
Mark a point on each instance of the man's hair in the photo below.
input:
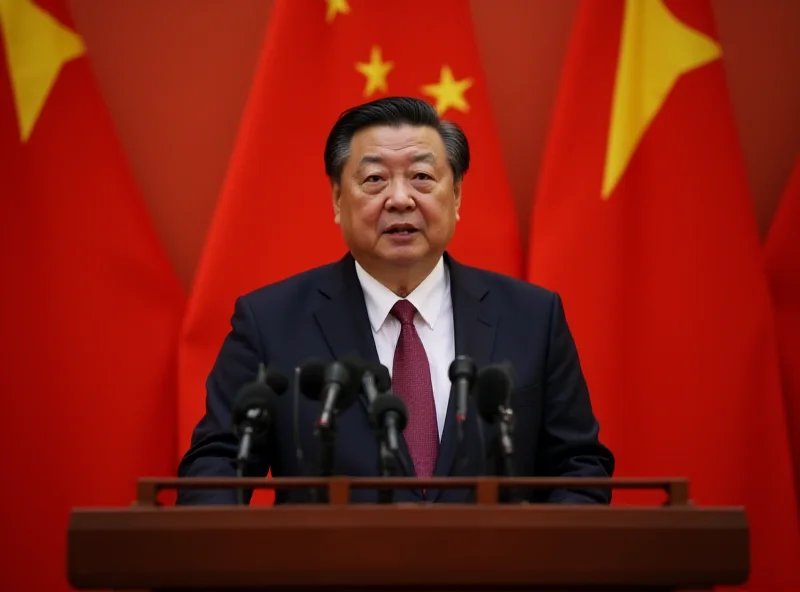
(393, 111)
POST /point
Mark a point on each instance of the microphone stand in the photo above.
(388, 469)
(327, 436)
(504, 453)
(241, 461)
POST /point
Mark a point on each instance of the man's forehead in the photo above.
(411, 143)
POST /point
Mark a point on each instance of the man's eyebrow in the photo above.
(426, 156)
(370, 159)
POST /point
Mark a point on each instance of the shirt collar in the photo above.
(427, 298)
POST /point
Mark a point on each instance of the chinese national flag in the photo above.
(90, 306)
(783, 272)
(274, 216)
(643, 223)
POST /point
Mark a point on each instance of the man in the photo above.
(398, 298)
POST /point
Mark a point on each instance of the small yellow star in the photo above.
(335, 7)
(376, 71)
(37, 47)
(449, 92)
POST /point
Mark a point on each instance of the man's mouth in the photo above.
(401, 230)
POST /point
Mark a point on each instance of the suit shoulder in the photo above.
(515, 290)
(290, 290)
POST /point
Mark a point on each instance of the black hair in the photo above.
(393, 111)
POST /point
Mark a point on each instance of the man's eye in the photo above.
(423, 176)
(372, 179)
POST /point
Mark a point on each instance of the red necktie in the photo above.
(411, 381)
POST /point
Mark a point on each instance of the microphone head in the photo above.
(337, 373)
(493, 386)
(462, 367)
(355, 366)
(359, 367)
(346, 373)
(276, 379)
(256, 405)
(388, 402)
(312, 378)
(383, 380)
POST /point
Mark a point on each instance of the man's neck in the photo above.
(402, 280)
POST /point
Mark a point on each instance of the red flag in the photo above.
(783, 272)
(274, 217)
(643, 223)
(90, 306)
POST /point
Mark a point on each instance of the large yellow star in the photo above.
(656, 50)
(37, 46)
(449, 92)
(336, 7)
(376, 71)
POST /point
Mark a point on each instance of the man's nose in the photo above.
(400, 198)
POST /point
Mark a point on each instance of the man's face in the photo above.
(397, 202)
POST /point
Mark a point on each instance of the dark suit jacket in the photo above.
(321, 313)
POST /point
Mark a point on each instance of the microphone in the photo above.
(494, 385)
(462, 375)
(274, 378)
(252, 417)
(333, 384)
(311, 379)
(390, 413)
(376, 378)
(340, 392)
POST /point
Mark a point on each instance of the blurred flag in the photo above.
(90, 306)
(783, 272)
(643, 223)
(274, 216)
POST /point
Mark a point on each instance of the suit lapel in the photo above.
(475, 324)
(343, 320)
(342, 315)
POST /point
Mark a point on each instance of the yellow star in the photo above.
(335, 7)
(656, 50)
(449, 92)
(376, 71)
(37, 46)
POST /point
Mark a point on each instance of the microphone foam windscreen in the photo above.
(276, 380)
(351, 387)
(462, 367)
(383, 381)
(493, 390)
(256, 402)
(312, 378)
(385, 403)
(354, 365)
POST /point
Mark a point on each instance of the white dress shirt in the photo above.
(433, 321)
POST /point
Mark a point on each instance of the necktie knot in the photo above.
(404, 312)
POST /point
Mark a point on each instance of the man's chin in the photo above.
(405, 257)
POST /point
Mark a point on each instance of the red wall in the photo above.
(176, 73)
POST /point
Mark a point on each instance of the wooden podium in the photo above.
(485, 546)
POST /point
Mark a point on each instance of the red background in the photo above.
(176, 75)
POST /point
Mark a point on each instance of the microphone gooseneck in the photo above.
(252, 418)
(494, 385)
(462, 375)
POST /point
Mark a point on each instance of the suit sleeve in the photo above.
(570, 445)
(212, 452)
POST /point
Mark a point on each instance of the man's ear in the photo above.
(336, 194)
(457, 197)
